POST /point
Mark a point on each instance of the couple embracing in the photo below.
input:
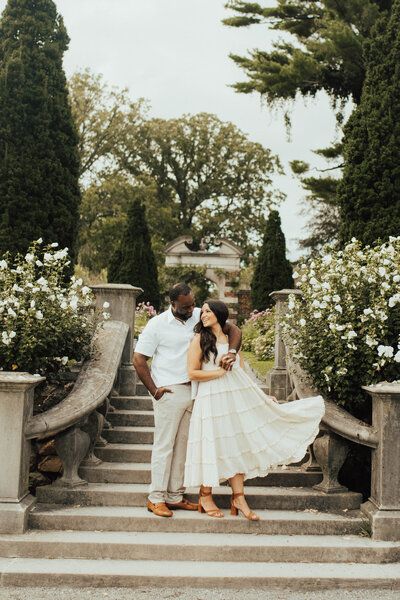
(212, 422)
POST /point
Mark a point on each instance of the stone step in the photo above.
(125, 453)
(129, 435)
(126, 573)
(141, 390)
(126, 518)
(128, 472)
(132, 418)
(132, 402)
(219, 547)
(135, 494)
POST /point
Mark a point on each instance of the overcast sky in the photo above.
(175, 53)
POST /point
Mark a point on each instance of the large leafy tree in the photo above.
(273, 271)
(100, 113)
(39, 164)
(320, 48)
(322, 52)
(215, 181)
(133, 261)
(369, 193)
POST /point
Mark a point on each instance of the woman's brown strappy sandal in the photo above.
(214, 512)
(251, 516)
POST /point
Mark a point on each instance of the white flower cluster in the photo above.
(345, 321)
(36, 300)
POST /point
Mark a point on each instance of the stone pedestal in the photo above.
(122, 301)
(383, 506)
(278, 375)
(16, 406)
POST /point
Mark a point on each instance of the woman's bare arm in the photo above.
(194, 364)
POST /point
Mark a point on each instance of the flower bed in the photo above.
(345, 329)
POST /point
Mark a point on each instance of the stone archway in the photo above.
(222, 264)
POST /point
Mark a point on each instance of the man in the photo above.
(166, 339)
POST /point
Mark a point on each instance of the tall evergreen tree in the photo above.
(134, 262)
(39, 164)
(369, 193)
(273, 270)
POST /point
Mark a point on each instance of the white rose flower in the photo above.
(295, 275)
(339, 308)
(351, 334)
(38, 263)
(3, 264)
(106, 305)
(85, 290)
(64, 360)
(302, 322)
(33, 304)
(397, 356)
(370, 341)
(386, 351)
(313, 281)
(54, 245)
(47, 257)
(106, 316)
(317, 315)
(327, 259)
(12, 334)
(42, 281)
(336, 298)
(314, 303)
(394, 300)
(368, 311)
(396, 278)
(74, 302)
(64, 305)
(29, 257)
(344, 279)
(39, 315)
(382, 271)
(39, 241)
(11, 312)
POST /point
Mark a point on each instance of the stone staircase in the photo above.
(102, 535)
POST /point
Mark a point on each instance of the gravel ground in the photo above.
(11, 593)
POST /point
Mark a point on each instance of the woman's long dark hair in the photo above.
(208, 341)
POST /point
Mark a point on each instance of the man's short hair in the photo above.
(179, 289)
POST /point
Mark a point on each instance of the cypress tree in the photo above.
(39, 163)
(369, 193)
(134, 262)
(273, 271)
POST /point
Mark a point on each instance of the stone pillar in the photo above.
(122, 301)
(278, 375)
(383, 506)
(16, 407)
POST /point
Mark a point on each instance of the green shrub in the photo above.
(259, 334)
(45, 321)
(345, 329)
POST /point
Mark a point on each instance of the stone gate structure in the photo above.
(222, 264)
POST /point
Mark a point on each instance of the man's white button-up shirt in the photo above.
(167, 340)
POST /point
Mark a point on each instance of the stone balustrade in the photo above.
(331, 447)
(76, 422)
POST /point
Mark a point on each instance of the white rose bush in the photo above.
(345, 328)
(259, 334)
(45, 321)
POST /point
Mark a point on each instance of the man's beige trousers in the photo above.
(171, 419)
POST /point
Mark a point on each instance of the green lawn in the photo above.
(260, 366)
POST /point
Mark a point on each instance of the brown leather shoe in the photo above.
(184, 504)
(160, 509)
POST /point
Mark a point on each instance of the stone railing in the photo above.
(289, 382)
(77, 421)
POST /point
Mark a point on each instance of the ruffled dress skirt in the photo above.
(236, 428)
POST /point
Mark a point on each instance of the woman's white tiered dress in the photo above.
(236, 428)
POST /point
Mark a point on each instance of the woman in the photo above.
(236, 431)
